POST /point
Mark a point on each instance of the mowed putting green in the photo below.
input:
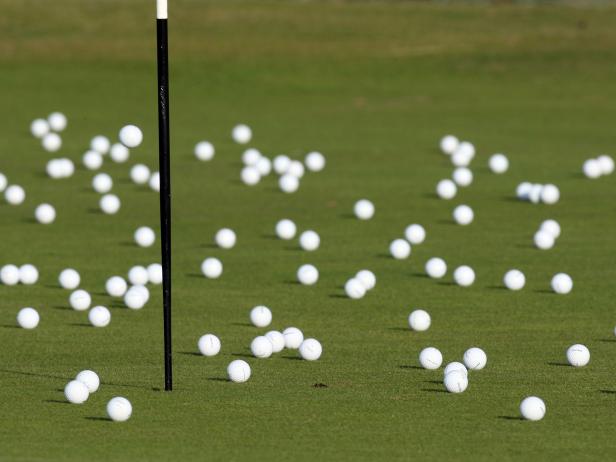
(373, 86)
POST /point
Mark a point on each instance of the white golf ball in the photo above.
(498, 163)
(436, 268)
(296, 168)
(241, 134)
(522, 191)
(430, 358)
(134, 298)
(154, 182)
(455, 367)
(204, 150)
(400, 249)
(51, 142)
(9, 275)
(534, 195)
(261, 347)
(552, 227)
(28, 274)
(211, 268)
(363, 209)
(144, 236)
(76, 392)
(140, 174)
(544, 240)
(250, 157)
(463, 215)
(461, 158)
(119, 153)
(307, 275)
(250, 175)
(310, 349)
(39, 128)
(102, 183)
(415, 234)
(209, 345)
(288, 183)
(354, 288)
(130, 136)
(143, 290)
(277, 340)
(54, 169)
(550, 194)
(238, 371)
(138, 275)
(514, 279)
(467, 148)
(592, 168)
(80, 300)
(449, 144)
(109, 204)
(446, 189)
(286, 229)
(260, 316)
(100, 144)
(419, 320)
(464, 276)
(281, 164)
(28, 318)
(155, 273)
(315, 161)
(14, 194)
(92, 160)
(264, 166)
(578, 355)
(69, 279)
(455, 382)
(3, 182)
(532, 408)
(225, 238)
(99, 316)
(293, 338)
(67, 167)
(57, 121)
(475, 358)
(116, 286)
(309, 240)
(367, 278)
(606, 163)
(45, 214)
(90, 379)
(462, 176)
(119, 409)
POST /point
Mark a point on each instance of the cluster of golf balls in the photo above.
(536, 193)
(455, 374)
(360, 284)
(414, 234)
(546, 235)
(26, 274)
(47, 130)
(597, 167)
(461, 153)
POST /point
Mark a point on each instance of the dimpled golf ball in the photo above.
(430, 358)
(415, 234)
(578, 355)
(562, 283)
(119, 409)
(446, 189)
(309, 240)
(276, 339)
(261, 347)
(552, 227)
(225, 238)
(260, 316)
(250, 157)
(286, 229)
(419, 320)
(296, 168)
(288, 183)
(367, 278)
(99, 316)
(134, 298)
(514, 279)
(39, 128)
(449, 144)
(204, 150)
(354, 288)
(591, 168)
(76, 392)
(28, 274)
(28, 318)
(463, 215)
(264, 166)
(400, 249)
(119, 153)
(100, 144)
(144, 236)
(116, 286)
(315, 161)
(464, 276)
(211, 268)
(241, 134)
(45, 214)
(57, 121)
(475, 358)
(498, 163)
(102, 183)
(9, 275)
(3, 182)
(250, 175)
(455, 367)
(543, 240)
(550, 194)
(606, 163)
(363, 209)
(307, 275)
(130, 136)
(155, 273)
(532, 408)
(436, 268)
(92, 160)
(293, 338)
(69, 279)
(109, 204)
(456, 382)
(209, 345)
(154, 182)
(14, 194)
(51, 142)
(281, 164)
(140, 174)
(238, 371)
(80, 300)
(310, 349)
(90, 379)
(462, 176)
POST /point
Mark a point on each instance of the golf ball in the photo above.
(363, 209)
(315, 161)
(522, 192)
(463, 215)
(309, 240)
(261, 347)
(144, 236)
(498, 163)
(116, 286)
(90, 379)
(455, 367)
(419, 320)
(307, 275)
(138, 275)
(204, 150)
(76, 392)
(155, 273)
(209, 345)
(80, 300)
(102, 183)
(51, 142)
(446, 189)
(562, 283)
(592, 168)
(436, 268)
(354, 288)
(550, 194)
(28, 318)
(449, 144)
(462, 176)
(99, 316)
(534, 194)
(415, 234)
(578, 355)
(430, 358)
(293, 338)
(54, 169)
(250, 157)
(456, 382)
(464, 276)
(109, 204)
(286, 229)
(543, 239)
(92, 160)
(119, 153)
(238, 371)
(130, 136)
(310, 349)
(39, 128)
(260, 316)
(57, 121)
(532, 408)
(9, 275)
(28, 274)
(514, 279)
(277, 340)
(241, 134)
(134, 298)
(119, 409)
(264, 166)
(69, 279)
(606, 163)
(400, 249)
(3, 182)
(211, 268)
(367, 278)
(288, 183)
(14, 194)
(100, 144)
(296, 168)
(475, 358)
(154, 182)
(552, 227)
(45, 214)
(225, 238)
(250, 176)
(281, 164)
(140, 174)
(461, 158)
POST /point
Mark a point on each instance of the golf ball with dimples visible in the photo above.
(309, 240)
(419, 320)
(543, 240)
(415, 234)
(400, 249)
(463, 215)
(3, 182)
(449, 144)
(119, 153)
(550, 194)
(45, 214)
(578, 355)
(264, 166)
(51, 142)
(225, 238)
(436, 268)
(80, 300)
(367, 278)
(277, 340)
(100, 144)
(116, 286)
(261, 347)
(155, 273)
(281, 164)
(456, 382)
(28, 318)
(102, 183)
(144, 236)
(250, 176)
(288, 183)
(310, 349)
(14, 194)
(109, 204)
(99, 316)
(54, 169)
(315, 161)
(296, 168)
(134, 298)
(130, 136)
(363, 209)
(250, 157)
(606, 164)
(204, 150)
(9, 275)
(464, 276)
(138, 275)
(293, 338)
(534, 194)
(446, 189)
(140, 174)
(28, 274)
(354, 289)
(92, 160)
(154, 182)
(260, 316)
(461, 158)
(241, 134)
(455, 367)
(552, 227)
(69, 279)
(462, 176)
(286, 229)
(514, 279)
(39, 128)
(523, 190)
(430, 358)
(57, 121)
(592, 168)
(90, 379)
(532, 408)
(211, 268)
(209, 345)
(238, 371)
(498, 163)
(119, 409)
(307, 275)
(76, 392)
(475, 358)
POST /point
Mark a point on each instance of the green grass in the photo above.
(373, 86)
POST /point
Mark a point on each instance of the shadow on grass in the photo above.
(10, 326)
(607, 340)
(127, 244)
(511, 199)
(53, 286)
(28, 220)
(242, 324)
(56, 401)
(558, 364)
(102, 419)
(337, 296)
(294, 283)
(496, 287)
(510, 417)
(218, 379)
(405, 366)
(435, 382)
(80, 324)
(434, 390)
(431, 195)
(209, 246)
(61, 307)
(525, 246)
(94, 211)
(446, 283)
(384, 255)
(189, 353)
(242, 355)
(543, 291)
(292, 358)
(405, 329)
(444, 221)
(347, 216)
(293, 248)
(420, 275)
(608, 392)
(269, 236)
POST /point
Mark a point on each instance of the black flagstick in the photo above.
(165, 178)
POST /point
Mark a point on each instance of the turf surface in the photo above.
(373, 86)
